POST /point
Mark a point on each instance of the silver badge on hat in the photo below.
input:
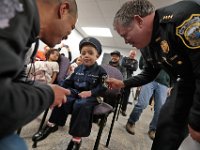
(8, 9)
(87, 39)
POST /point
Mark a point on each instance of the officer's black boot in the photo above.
(43, 133)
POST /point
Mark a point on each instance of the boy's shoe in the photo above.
(74, 145)
(77, 145)
(130, 128)
(44, 133)
(151, 134)
(70, 145)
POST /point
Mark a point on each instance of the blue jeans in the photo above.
(12, 142)
(160, 95)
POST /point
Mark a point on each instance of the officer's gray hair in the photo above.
(125, 14)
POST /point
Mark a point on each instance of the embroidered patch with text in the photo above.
(189, 31)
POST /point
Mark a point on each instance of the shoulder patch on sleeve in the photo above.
(189, 31)
(8, 9)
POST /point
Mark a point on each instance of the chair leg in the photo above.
(19, 131)
(40, 127)
(111, 127)
(119, 106)
(34, 144)
(115, 116)
(43, 119)
(102, 124)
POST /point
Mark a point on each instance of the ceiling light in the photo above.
(101, 32)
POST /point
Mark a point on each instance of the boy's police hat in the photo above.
(92, 41)
(115, 53)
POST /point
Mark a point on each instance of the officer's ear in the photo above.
(63, 9)
(138, 20)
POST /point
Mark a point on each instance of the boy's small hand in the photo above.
(85, 94)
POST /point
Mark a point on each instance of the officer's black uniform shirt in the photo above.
(130, 65)
(178, 26)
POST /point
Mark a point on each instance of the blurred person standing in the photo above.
(115, 61)
(159, 90)
(65, 50)
(130, 64)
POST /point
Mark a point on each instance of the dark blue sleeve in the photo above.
(102, 86)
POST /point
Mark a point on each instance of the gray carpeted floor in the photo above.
(120, 140)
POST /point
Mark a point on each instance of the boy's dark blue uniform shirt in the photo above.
(86, 79)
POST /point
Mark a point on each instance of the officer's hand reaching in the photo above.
(114, 83)
(60, 94)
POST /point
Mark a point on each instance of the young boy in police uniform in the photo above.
(85, 84)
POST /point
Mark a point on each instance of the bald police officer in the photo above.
(21, 100)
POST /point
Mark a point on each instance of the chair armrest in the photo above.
(102, 109)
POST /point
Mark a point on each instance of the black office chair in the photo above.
(111, 104)
(113, 96)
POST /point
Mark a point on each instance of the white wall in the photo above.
(73, 42)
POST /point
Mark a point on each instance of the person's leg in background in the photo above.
(132, 94)
(125, 101)
(143, 101)
(160, 96)
(137, 93)
(12, 142)
(151, 102)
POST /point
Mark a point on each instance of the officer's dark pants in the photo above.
(81, 119)
(125, 98)
(172, 125)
